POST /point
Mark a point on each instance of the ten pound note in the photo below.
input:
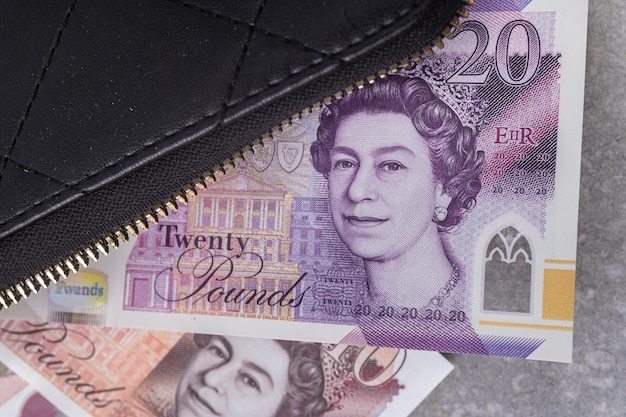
(113, 372)
(433, 209)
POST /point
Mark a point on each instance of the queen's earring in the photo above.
(440, 214)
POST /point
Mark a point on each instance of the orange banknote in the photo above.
(102, 371)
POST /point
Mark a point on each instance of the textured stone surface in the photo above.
(593, 385)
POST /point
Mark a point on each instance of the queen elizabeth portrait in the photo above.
(401, 170)
(241, 377)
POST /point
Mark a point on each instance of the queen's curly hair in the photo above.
(455, 161)
(305, 392)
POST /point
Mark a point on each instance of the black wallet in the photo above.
(114, 111)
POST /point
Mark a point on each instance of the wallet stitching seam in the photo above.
(242, 58)
(49, 197)
(250, 25)
(42, 75)
(43, 175)
(204, 118)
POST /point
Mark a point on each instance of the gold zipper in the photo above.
(81, 258)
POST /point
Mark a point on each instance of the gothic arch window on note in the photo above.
(251, 288)
(236, 285)
(238, 222)
(217, 305)
(508, 272)
(141, 287)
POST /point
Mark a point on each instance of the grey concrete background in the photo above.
(595, 383)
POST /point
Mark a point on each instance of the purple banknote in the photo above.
(432, 207)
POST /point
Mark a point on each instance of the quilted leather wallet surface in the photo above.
(110, 107)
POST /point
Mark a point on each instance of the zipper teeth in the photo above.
(81, 258)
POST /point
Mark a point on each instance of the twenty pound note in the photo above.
(101, 371)
(434, 208)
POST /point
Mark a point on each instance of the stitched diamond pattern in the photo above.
(111, 106)
(122, 76)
